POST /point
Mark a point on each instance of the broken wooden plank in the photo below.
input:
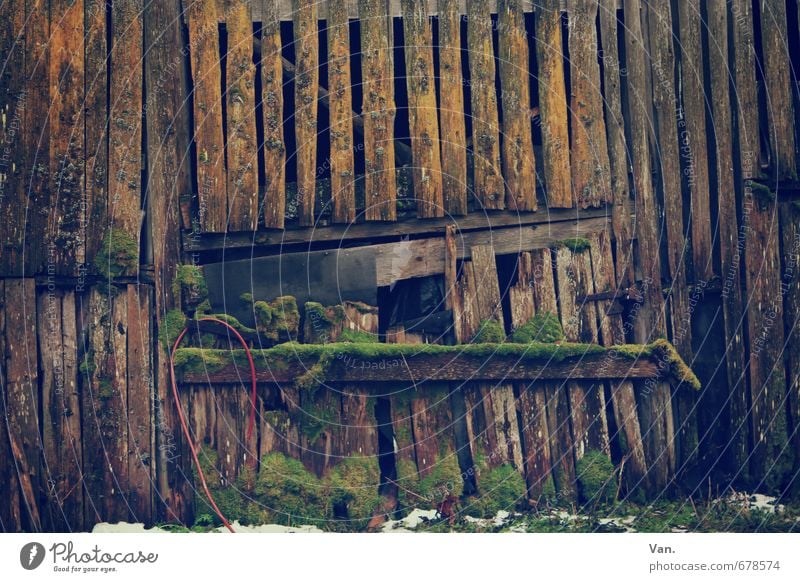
(378, 110)
(519, 162)
(591, 173)
(272, 105)
(553, 106)
(423, 121)
(212, 198)
(451, 110)
(241, 146)
(488, 180)
(343, 194)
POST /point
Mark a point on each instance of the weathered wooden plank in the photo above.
(486, 284)
(125, 123)
(67, 218)
(96, 129)
(778, 81)
(692, 138)
(212, 198)
(553, 106)
(378, 110)
(562, 446)
(272, 104)
(488, 179)
(451, 110)
(521, 295)
(535, 441)
(617, 149)
(732, 307)
(746, 101)
(62, 451)
(591, 172)
(21, 401)
(519, 162)
(422, 113)
(341, 115)
(165, 96)
(242, 157)
(790, 288)
(655, 417)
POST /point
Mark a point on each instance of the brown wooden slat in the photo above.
(746, 100)
(733, 310)
(424, 125)
(778, 80)
(125, 122)
(66, 220)
(272, 95)
(201, 20)
(343, 192)
(488, 179)
(378, 110)
(790, 286)
(486, 283)
(519, 162)
(242, 157)
(451, 110)
(591, 173)
(692, 137)
(617, 148)
(553, 106)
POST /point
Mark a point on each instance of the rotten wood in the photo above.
(272, 105)
(306, 82)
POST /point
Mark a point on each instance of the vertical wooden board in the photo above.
(732, 307)
(66, 223)
(650, 321)
(13, 97)
(587, 404)
(96, 129)
(506, 425)
(655, 411)
(769, 466)
(125, 121)
(341, 114)
(306, 86)
(22, 398)
(692, 137)
(140, 396)
(272, 104)
(451, 110)
(521, 294)
(591, 179)
(535, 441)
(452, 297)
(242, 156)
(469, 321)
(487, 286)
(746, 97)
(778, 80)
(378, 111)
(201, 20)
(574, 280)
(561, 441)
(519, 162)
(790, 288)
(488, 180)
(61, 419)
(617, 148)
(553, 105)
(544, 287)
(422, 113)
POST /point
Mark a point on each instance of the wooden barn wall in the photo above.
(684, 112)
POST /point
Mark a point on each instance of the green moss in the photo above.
(576, 245)
(292, 494)
(542, 327)
(87, 366)
(105, 389)
(276, 320)
(489, 332)
(761, 193)
(190, 283)
(118, 254)
(357, 336)
(668, 358)
(233, 322)
(354, 486)
(501, 489)
(199, 361)
(597, 479)
(170, 327)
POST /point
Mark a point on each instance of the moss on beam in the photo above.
(669, 360)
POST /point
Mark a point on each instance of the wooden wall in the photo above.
(102, 178)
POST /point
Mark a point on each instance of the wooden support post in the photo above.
(488, 181)
(272, 105)
(378, 110)
(306, 83)
(451, 110)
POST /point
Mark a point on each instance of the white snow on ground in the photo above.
(123, 527)
(623, 522)
(409, 522)
(764, 503)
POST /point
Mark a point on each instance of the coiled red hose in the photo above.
(184, 425)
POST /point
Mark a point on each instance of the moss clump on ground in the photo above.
(489, 332)
(354, 490)
(170, 327)
(576, 245)
(118, 254)
(443, 480)
(542, 327)
(597, 479)
(501, 489)
(291, 493)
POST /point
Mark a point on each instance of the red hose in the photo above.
(185, 427)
